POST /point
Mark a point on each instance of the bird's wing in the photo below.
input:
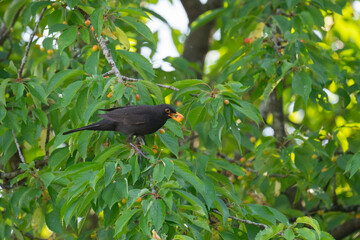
(112, 109)
(125, 116)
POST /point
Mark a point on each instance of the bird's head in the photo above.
(170, 112)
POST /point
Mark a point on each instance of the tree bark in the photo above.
(197, 43)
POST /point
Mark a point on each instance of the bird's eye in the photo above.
(167, 110)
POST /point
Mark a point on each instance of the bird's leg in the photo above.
(129, 139)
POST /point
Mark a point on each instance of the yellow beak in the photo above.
(177, 117)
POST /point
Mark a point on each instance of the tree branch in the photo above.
(137, 79)
(346, 228)
(261, 225)
(23, 61)
(18, 147)
(10, 175)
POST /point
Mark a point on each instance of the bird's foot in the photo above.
(139, 151)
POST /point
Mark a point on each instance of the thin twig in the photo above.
(23, 61)
(10, 175)
(108, 56)
(18, 147)
(261, 225)
(47, 138)
(137, 79)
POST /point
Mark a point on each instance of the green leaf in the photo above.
(134, 11)
(97, 19)
(122, 221)
(135, 169)
(54, 221)
(92, 108)
(310, 221)
(70, 91)
(122, 37)
(60, 77)
(72, 3)
(159, 172)
(157, 213)
(2, 90)
(307, 19)
(145, 97)
(175, 128)
(283, 23)
(187, 83)
(110, 169)
(108, 152)
(91, 65)
(155, 89)
(67, 38)
(41, 115)
(289, 234)
(247, 109)
(306, 233)
(221, 206)
(139, 62)
(38, 92)
(301, 85)
(196, 115)
(205, 18)
(236, 134)
(47, 178)
(169, 168)
(232, 167)
(115, 192)
(182, 237)
(353, 165)
(18, 89)
(184, 172)
(270, 232)
(193, 201)
(58, 156)
(11, 11)
(209, 192)
(140, 27)
(170, 142)
(84, 35)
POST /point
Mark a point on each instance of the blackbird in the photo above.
(133, 120)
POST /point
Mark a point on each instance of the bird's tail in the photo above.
(103, 125)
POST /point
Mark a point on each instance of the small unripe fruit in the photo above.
(139, 199)
(226, 102)
(110, 94)
(137, 97)
(50, 52)
(124, 201)
(155, 146)
(87, 22)
(64, 22)
(178, 103)
(154, 150)
(314, 156)
(242, 159)
(161, 131)
(248, 164)
(324, 169)
(28, 94)
(42, 49)
(92, 28)
(252, 139)
(95, 48)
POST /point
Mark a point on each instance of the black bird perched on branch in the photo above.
(134, 120)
